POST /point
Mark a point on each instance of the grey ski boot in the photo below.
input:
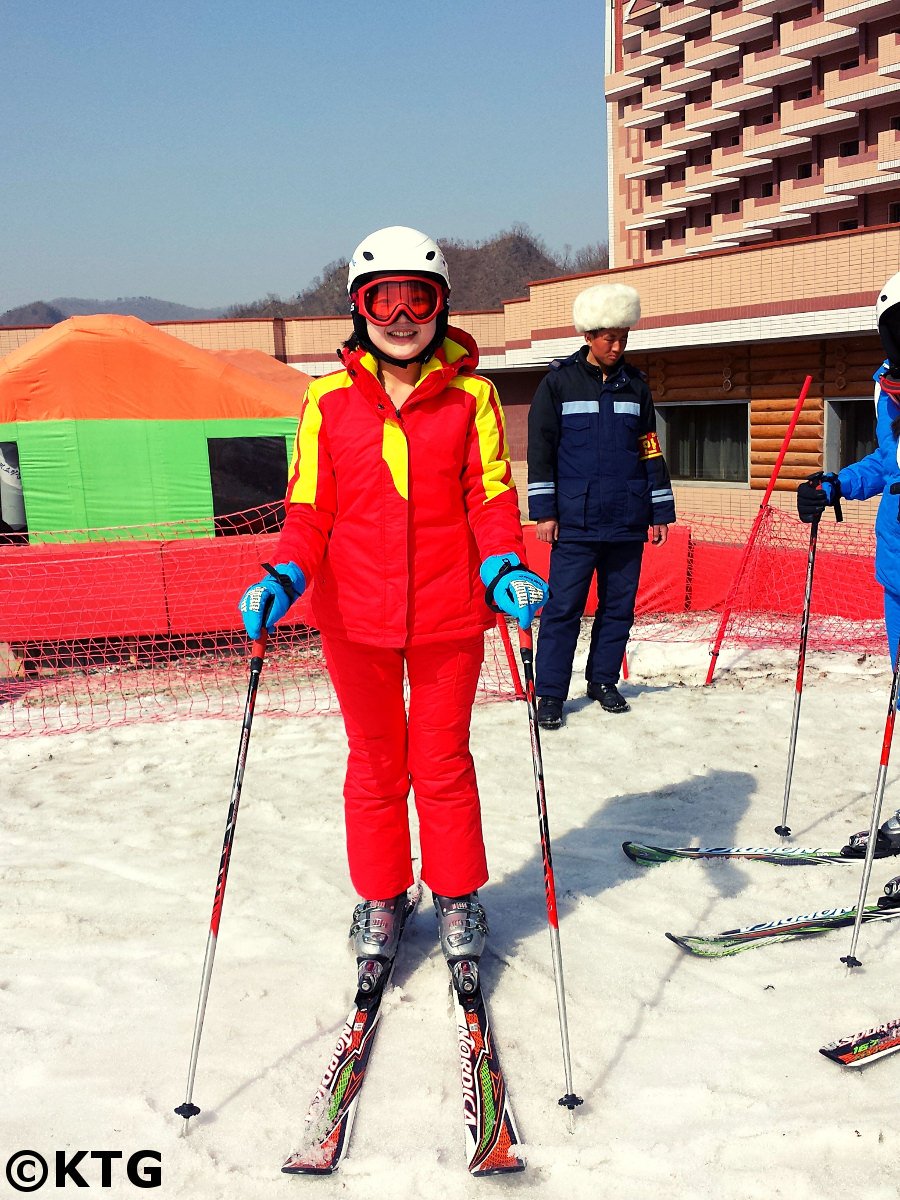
(463, 927)
(375, 933)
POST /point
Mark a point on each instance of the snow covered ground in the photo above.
(700, 1078)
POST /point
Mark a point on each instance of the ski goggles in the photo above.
(383, 300)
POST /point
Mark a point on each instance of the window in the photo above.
(248, 475)
(735, 205)
(849, 431)
(848, 149)
(705, 441)
(849, 64)
(895, 123)
(805, 94)
(848, 224)
(804, 171)
(894, 213)
(13, 524)
(766, 188)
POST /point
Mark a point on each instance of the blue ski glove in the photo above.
(283, 585)
(512, 588)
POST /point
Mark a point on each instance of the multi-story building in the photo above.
(741, 121)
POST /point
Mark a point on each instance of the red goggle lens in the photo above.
(383, 300)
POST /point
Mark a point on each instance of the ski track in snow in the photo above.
(700, 1078)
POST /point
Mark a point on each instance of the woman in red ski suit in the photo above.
(402, 508)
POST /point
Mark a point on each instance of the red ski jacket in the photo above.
(391, 512)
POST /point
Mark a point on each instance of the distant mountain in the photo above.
(49, 312)
(483, 274)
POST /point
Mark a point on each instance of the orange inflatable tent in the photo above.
(106, 421)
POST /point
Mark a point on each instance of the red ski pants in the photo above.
(428, 748)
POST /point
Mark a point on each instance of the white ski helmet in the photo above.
(397, 250)
(887, 317)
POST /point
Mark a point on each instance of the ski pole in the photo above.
(851, 960)
(569, 1100)
(257, 653)
(783, 829)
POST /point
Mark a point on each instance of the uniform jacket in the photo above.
(874, 474)
(594, 462)
(392, 512)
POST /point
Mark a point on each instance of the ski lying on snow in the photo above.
(490, 1128)
(733, 941)
(648, 856)
(330, 1117)
(861, 1048)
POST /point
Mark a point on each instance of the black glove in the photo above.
(813, 498)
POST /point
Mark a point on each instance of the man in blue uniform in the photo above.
(597, 483)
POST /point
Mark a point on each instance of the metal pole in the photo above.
(570, 1101)
(783, 828)
(850, 959)
(188, 1109)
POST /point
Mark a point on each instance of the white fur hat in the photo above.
(606, 306)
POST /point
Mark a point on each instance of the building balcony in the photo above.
(796, 194)
(658, 98)
(657, 41)
(751, 164)
(725, 226)
(850, 173)
(645, 223)
(820, 203)
(772, 6)
(620, 86)
(683, 18)
(686, 200)
(720, 183)
(646, 171)
(862, 87)
(889, 149)
(740, 26)
(752, 234)
(888, 55)
(643, 12)
(683, 79)
(810, 117)
(770, 67)
(644, 118)
(699, 178)
(811, 37)
(706, 54)
(771, 142)
(736, 96)
(714, 118)
(759, 211)
(861, 10)
(686, 139)
(880, 181)
(663, 156)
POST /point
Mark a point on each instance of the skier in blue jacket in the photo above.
(597, 484)
(878, 472)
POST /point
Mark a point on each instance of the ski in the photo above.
(733, 941)
(490, 1129)
(648, 856)
(330, 1117)
(861, 1048)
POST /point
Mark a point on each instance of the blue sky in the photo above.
(213, 152)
